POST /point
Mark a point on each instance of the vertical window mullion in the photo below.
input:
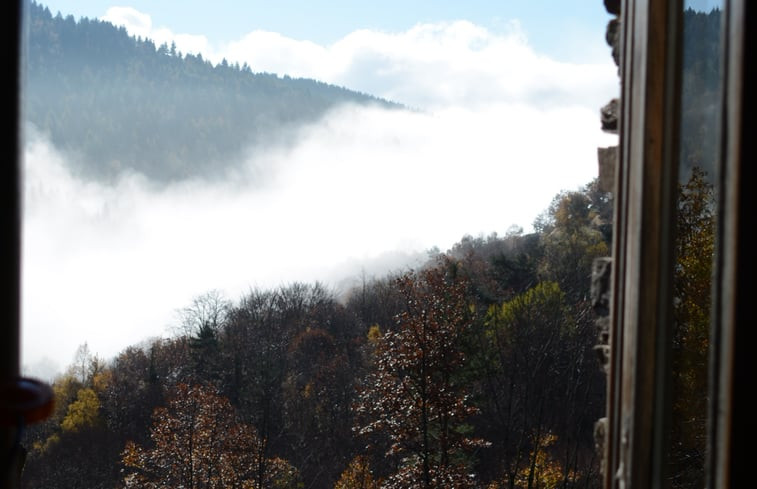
(642, 273)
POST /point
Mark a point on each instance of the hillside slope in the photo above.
(116, 102)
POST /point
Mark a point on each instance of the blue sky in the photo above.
(703, 5)
(509, 94)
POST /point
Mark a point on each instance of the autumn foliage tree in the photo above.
(571, 241)
(358, 475)
(692, 280)
(415, 395)
(198, 442)
(491, 340)
(536, 385)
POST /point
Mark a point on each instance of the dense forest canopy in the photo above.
(120, 103)
(696, 222)
(476, 369)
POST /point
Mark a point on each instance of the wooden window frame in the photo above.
(638, 393)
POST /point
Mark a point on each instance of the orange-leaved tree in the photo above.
(415, 396)
(199, 442)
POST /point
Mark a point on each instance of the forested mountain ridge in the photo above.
(117, 102)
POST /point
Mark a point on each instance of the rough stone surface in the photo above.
(603, 354)
(613, 6)
(609, 116)
(603, 330)
(600, 285)
(600, 439)
(608, 159)
(612, 36)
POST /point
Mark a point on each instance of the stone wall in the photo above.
(601, 284)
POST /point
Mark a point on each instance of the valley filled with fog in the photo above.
(493, 131)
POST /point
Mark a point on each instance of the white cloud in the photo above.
(136, 22)
(432, 66)
(140, 24)
(429, 66)
(272, 52)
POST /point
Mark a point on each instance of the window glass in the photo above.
(695, 238)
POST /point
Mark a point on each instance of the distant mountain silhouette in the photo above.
(119, 103)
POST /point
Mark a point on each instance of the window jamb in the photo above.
(643, 250)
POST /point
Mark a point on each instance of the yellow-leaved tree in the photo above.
(358, 475)
(692, 279)
(83, 412)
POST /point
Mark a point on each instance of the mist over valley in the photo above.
(152, 176)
